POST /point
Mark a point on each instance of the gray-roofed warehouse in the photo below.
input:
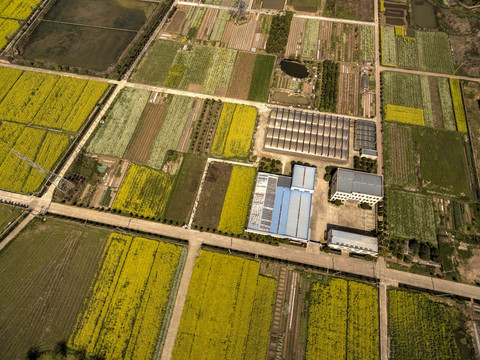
(356, 185)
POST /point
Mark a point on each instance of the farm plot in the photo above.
(204, 128)
(17, 9)
(219, 27)
(212, 195)
(349, 9)
(434, 52)
(458, 105)
(8, 28)
(342, 321)
(237, 200)
(242, 35)
(443, 169)
(348, 95)
(113, 137)
(197, 68)
(407, 56)
(233, 138)
(154, 67)
(419, 324)
(472, 93)
(399, 156)
(8, 214)
(411, 216)
(229, 317)
(186, 187)
(41, 146)
(446, 104)
(295, 37)
(47, 270)
(401, 89)
(261, 78)
(218, 75)
(47, 100)
(310, 40)
(242, 76)
(305, 5)
(388, 46)
(171, 130)
(144, 192)
(124, 311)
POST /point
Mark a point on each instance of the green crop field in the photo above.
(113, 137)
(43, 147)
(342, 321)
(421, 327)
(8, 214)
(186, 187)
(434, 52)
(154, 67)
(411, 216)
(219, 27)
(443, 169)
(171, 130)
(427, 101)
(446, 103)
(219, 73)
(388, 46)
(47, 100)
(261, 77)
(123, 314)
(197, 69)
(144, 192)
(367, 39)
(47, 270)
(406, 52)
(401, 89)
(399, 155)
(310, 39)
(228, 310)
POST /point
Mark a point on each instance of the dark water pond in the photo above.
(294, 68)
(424, 14)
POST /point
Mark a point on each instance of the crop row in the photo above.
(237, 200)
(458, 105)
(127, 301)
(219, 73)
(367, 38)
(144, 192)
(342, 321)
(47, 100)
(233, 137)
(222, 19)
(446, 103)
(228, 318)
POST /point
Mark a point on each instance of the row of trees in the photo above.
(327, 101)
(278, 34)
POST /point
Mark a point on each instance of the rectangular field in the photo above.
(17, 9)
(233, 137)
(419, 324)
(228, 310)
(411, 216)
(8, 214)
(213, 194)
(47, 270)
(342, 321)
(237, 200)
(47, 100)
(261, 77)
(186, 187)
(126, 305)
(434, 52)
(144, 192)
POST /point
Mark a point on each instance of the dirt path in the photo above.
(194, 247)
(383, 305)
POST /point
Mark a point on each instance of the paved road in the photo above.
(180, 300)
(333, 263)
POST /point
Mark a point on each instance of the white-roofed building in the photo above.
(360, 244)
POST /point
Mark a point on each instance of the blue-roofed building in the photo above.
(281, 205)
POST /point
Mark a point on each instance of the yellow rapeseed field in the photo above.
(17, 9)
(237, 200)
(124, 311)
(235, 129)
(403, 114)
(144, 192)
(7, 28)
(458, 105)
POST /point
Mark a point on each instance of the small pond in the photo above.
(424, 14)
(294, 68)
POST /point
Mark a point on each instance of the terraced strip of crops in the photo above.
(144, 192)
(235, 129)
(237, 200)
(228, 310)
(127, 301)
(342, 321)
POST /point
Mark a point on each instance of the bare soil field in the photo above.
(175, 25)
(242, 76)
(187, 129)
(213, 194)
(207, 24)
(146, 131)
(295, 38)
(47, 270)
(349, 90)
(242, 35)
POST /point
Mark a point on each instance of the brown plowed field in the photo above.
(183, 143)
(399, 149)
(242, 36)
(147, 128)
(227, 34)
(349, 91)
(207, 24)
(436, 105)
(176, 23)
(242, 76)
(259, 41)
(213, 194)
(297, 29)
(331, 42)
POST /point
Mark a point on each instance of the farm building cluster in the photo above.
(281, 205)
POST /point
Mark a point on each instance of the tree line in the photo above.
(278, 34)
